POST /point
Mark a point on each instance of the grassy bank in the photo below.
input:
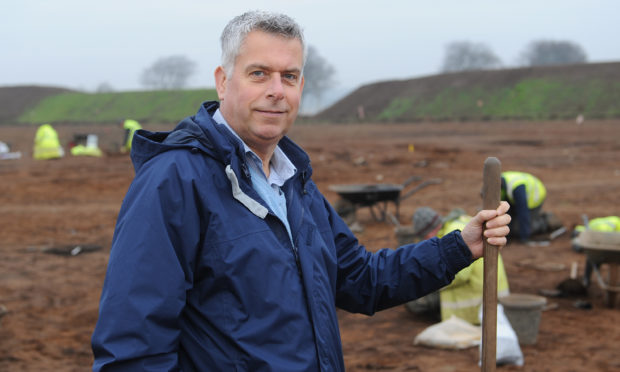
(531, 93)
(536, 99)
(151, 106)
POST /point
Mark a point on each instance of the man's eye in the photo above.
(290, 77)
(257, 73)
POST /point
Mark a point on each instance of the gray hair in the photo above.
(239, 27)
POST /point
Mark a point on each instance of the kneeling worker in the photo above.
(46, 144)
(526, 194)
(462, 297)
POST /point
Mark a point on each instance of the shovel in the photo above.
(491, 184)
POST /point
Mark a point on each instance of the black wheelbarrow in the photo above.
(602, 248)
(377, 196)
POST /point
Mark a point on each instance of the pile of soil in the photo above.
(52, 299)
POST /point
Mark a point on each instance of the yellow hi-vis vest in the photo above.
(132, 126)
(534, 188)
(46, 144)
(463, 296)
(605, 224)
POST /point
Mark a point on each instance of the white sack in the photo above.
(507, 350)
(454, 333)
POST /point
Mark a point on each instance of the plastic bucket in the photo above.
(523, 312)
(92, 141)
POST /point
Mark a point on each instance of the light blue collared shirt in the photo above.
(280, 170)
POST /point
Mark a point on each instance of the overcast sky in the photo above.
(81, 44)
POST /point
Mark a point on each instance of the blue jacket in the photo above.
(202, 276)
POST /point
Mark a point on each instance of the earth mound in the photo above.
(563, 91)
(15, 100)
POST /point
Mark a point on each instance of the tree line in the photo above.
(465, 55)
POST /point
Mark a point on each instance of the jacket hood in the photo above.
(200, 133)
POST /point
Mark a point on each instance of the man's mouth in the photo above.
(270, 112)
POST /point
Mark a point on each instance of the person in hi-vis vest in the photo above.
(526, 194)
(130, 126)
(463, 296)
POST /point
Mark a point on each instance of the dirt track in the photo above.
(53, 299)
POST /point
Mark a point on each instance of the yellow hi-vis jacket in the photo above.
(605, 224)
(131, 126)
(46, 144)
(534, 188)
(463, 296)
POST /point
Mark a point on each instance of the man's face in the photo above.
(261, 98)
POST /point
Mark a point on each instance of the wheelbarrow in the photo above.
(602, 248)
(377, 196)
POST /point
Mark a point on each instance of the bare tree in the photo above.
(318, 76)
(104, 87)
(549, 52)
(168, 73)
(465, 55)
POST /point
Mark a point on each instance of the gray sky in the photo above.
(81, 44)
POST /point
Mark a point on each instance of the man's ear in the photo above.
(220, 82)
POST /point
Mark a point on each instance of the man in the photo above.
(226, 256)
(130, 126)
(463, 296)
(526, 194)
(46, 144)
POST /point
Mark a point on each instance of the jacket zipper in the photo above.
(297, 261)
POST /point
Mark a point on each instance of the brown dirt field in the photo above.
(52, 300)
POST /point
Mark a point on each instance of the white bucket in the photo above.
(92, 141)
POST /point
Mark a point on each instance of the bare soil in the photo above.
(52, 299)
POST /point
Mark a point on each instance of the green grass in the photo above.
(531, 99)
(397, 108)
(538, 99)
(151, 106)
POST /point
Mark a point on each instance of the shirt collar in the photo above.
(281, 166)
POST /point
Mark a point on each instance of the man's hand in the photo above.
(496, 229)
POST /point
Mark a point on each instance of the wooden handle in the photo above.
(491, 185)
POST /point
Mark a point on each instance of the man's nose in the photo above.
(276, 89)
